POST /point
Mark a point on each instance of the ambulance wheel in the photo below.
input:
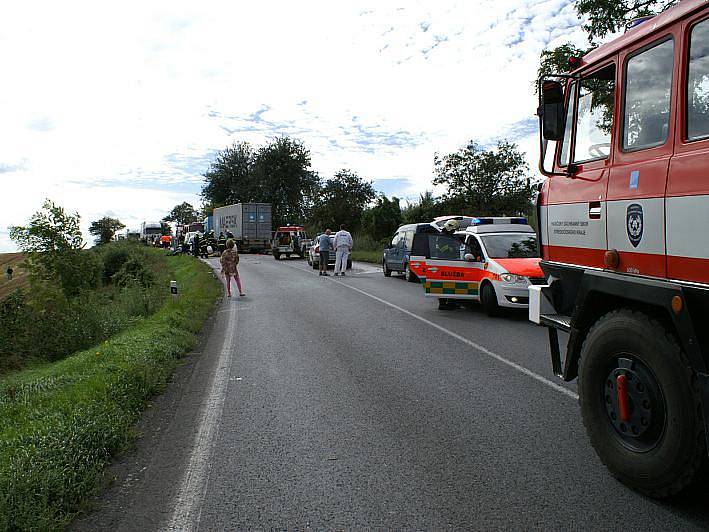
(410, 276)
(488, 298)
(659, 447)
(277, 256)
(387, 271)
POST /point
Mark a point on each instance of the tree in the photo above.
(183, 214)
(383, 218)
(556, 61)
(342, 201)
(281, 175)
(609, 16)
(105, 229)
(229, 178)
(54, 248)
(485, 182)
(425, 210)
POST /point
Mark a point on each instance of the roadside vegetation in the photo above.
(94, 348)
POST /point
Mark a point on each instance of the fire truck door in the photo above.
(687, 203)
(575, 207)
(636, 190)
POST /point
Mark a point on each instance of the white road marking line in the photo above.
(188, 505)
(472, 344)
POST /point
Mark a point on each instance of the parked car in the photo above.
(396, 254)
(314, 255)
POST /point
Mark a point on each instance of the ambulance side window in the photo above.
(446, 247)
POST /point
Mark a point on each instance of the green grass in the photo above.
(367, 256)
(62, 422)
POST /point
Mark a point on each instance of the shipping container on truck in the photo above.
(250, 223)
(209, 223)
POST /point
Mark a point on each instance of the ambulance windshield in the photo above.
(511, 246)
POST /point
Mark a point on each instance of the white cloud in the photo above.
(117, 109)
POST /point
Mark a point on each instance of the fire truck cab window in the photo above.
(446, 247)
(698, 83)
(594, 119)
(648, 87)
(568, 128)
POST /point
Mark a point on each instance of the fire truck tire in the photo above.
(387, 271)
(488, 298)
(410, 276)
(660, 447)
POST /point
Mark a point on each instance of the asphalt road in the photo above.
(352, 403)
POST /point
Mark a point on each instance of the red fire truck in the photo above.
(624, 234)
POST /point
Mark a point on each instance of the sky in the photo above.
(117, 109)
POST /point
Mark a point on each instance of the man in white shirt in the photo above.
(343, 247)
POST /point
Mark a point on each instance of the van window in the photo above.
(698, 83)
(648, 87)
(594, 120)
(395, 240)
(568, 128)
(409, 236)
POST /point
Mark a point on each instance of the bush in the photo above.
(52, 322)
(113, 259)
(63, 421)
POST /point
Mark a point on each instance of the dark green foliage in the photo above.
(278, 173)
(184, 213)
(113, 259)
(283, 177)
(485, 182)
(132, 272)
(63, 421)
(382, 220)
(105, 229)
(556, 61)
(609, 16)
(342, 200)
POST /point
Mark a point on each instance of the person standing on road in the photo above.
(343, 248)
(325, 246)
(229, 261)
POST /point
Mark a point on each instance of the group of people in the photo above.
(200, 245)
(341, 245)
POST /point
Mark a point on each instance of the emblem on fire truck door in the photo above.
(634, 223)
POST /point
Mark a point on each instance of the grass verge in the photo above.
(62, 422)
(367, 256)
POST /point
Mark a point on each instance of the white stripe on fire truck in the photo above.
(652, 240)
(688, 226)
(568, 225)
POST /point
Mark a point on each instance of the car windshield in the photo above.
(511, 245)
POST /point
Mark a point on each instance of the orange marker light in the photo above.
(677, 304)
(611, 259)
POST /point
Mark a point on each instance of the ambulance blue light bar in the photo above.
(496, 220)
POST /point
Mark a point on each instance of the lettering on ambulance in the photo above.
(636, 228)
(572, 236)
(456, 278)
(688, 238)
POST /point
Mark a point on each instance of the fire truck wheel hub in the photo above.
(634, 404)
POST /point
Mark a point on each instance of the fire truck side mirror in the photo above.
(552, 110)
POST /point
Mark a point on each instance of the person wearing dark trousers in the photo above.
(325, 247)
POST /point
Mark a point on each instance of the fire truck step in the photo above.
(558, 321)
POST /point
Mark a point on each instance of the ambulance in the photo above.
(494, 261)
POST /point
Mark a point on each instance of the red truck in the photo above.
(624, 237)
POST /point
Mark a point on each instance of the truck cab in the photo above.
(624, 140)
